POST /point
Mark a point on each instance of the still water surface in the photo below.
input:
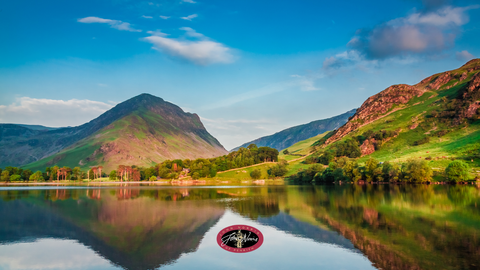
(304, 227)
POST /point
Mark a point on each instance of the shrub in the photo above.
(278, 170)
(457, 171)
(153, 178)
(421, 141)
(326, 158)
(417, 171)
(256, 174)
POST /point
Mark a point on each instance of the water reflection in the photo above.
(393, 226)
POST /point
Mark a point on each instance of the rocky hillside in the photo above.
(142, 130)
(435, 118)
(392, 98)
(290, 136)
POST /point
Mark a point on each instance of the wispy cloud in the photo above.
(51, 112)
(306, 83)
(164, 17)
(201, 52)
(116, 24)
(192, 33)
(189, 1)
(157, 32)
(147, 17)
(189, 17)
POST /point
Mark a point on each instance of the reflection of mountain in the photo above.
(133, 234)
(289, 224)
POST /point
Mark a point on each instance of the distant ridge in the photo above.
(290, 136)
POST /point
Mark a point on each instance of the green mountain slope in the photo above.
(141, 131)
(436, 119)
(290, 136)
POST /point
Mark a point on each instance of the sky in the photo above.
(247, 68)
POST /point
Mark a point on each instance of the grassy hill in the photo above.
(436, 120)
(151, 131)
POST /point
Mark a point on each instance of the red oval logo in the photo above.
(240, 238)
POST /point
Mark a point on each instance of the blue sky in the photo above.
(248, 68)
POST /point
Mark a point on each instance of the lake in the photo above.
(304, 227)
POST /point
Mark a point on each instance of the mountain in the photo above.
(140, 131)
(290, 136)
(435, 118)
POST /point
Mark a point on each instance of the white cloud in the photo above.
(189, 1)
(164, 17)
(464, 56)
(147, 17)
(189, 17)
(51, 112)
(201, 52)
(116, 24)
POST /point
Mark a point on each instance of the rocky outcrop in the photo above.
(377, 106)
(368, 147)
(439, 81)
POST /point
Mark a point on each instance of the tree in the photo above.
(372, 170)
(15, 177)
(457, 171)
(256, 174)
(76, 171)
(91, 175)
(153, 178)
(26, 174)
(286, 152)
(417, 171)
(113, 175)
(6, 176)
(37, 176)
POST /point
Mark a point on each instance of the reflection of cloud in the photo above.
(50, 112)
(419, 33)
(119, 25)
(201, 52)
(464, 56)
(50, 254)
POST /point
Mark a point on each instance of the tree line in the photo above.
(168, 169)
(348, 170)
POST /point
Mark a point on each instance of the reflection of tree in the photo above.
(402, 226)
(257, 207)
